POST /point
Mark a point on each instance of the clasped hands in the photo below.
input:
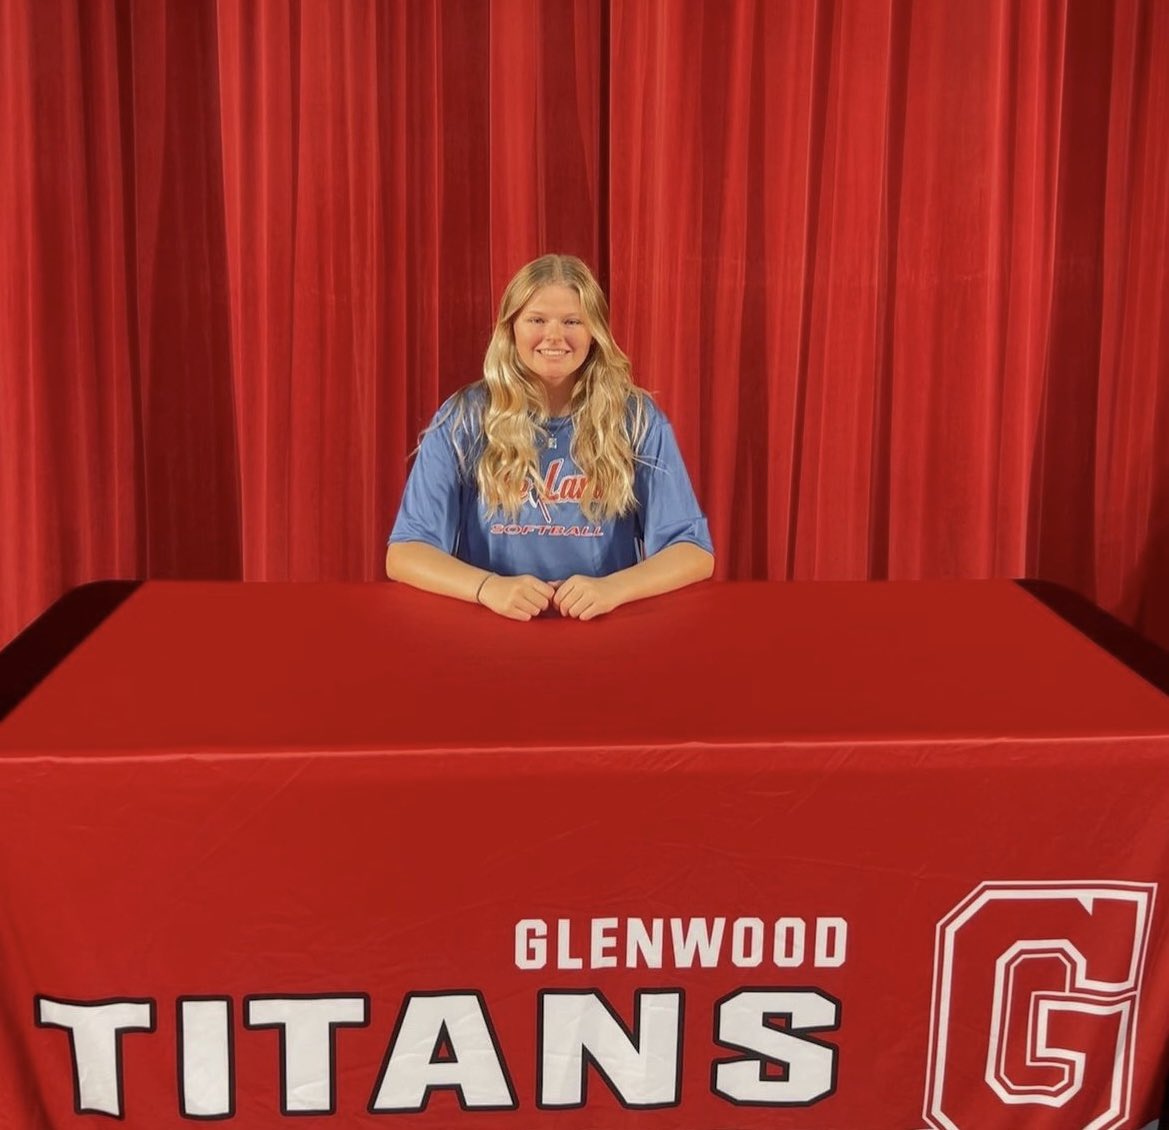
(521, 598)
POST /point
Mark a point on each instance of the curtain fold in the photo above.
(71, 488)
(544, 127)
(896, 269)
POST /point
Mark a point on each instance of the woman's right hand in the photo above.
(517, 598)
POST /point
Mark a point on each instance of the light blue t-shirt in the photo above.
(550, 538)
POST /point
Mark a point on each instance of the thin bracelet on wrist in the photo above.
(486, 578)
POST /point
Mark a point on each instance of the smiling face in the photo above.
(553, 341)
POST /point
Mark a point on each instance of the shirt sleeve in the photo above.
(668, 508)
(431, 502)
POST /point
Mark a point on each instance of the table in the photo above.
(874, 856)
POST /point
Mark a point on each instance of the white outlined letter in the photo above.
(461, 1055)
(95, 1039)
(206, 1059)
(308, 1045)
(741, 1021)
(1036, 995)
(642, 1067)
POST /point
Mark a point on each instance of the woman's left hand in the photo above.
(584, 598)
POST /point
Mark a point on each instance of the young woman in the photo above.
(553, 481)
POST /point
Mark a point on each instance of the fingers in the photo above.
(563, 593)
(521, 598)
(544, 588)
(536, 593)
(584, 598)
(573, 597)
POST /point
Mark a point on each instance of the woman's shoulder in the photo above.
(470, 397)
(458, 425)
(461, 414)
(644, 415)
(651, 408)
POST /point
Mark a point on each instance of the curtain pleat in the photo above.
(896, 269)
(544, 126)
(71, 482)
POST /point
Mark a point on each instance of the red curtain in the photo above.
(895, 268)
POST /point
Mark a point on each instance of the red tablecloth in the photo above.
(847, 856)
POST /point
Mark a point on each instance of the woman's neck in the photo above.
(558, 404)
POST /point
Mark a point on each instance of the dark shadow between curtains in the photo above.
(821, 69)
(190, 442)
(1063, 475)
(124, 41)
(880, 485)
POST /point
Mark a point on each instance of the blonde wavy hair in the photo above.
(510, 411)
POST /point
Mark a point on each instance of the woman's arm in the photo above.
(671, 568)
(425, 567)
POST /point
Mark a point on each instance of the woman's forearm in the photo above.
(671, 568)
(421, 565)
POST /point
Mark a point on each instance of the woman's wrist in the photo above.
(479, 590)
(618, 586)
